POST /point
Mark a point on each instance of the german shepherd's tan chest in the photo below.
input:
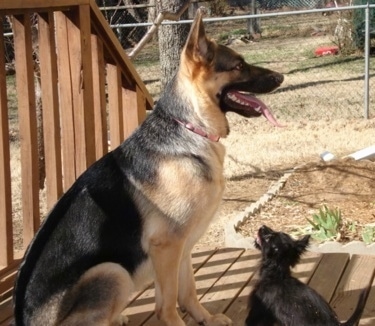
(184, 194)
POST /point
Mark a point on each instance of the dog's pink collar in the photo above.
(198, 131)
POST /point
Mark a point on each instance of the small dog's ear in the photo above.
(303, 243)
(198, 48)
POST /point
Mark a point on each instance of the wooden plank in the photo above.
(207, 276)
(358, 274)
(76, 59)
(6, 230)
(200, 256)
(115, 111)
(40, 4)
(7, 282)
(86, 89)
(6, 311)
(7, 279)
(66, 105)
(328, 274)
(141, 105)
(228, 287)
(209, 273)
(306, 267)
(134, 110)
(238, 310)
(142, 308)
(130, 111)
(50, 103)
(77, 81)
(368, 316)
(28, 128)
(100, 111)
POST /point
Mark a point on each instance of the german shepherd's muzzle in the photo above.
(135, 215)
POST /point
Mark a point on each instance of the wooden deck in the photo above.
(224, 278)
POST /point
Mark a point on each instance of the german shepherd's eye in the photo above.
(239, 66)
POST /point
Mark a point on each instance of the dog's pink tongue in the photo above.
(260, 107)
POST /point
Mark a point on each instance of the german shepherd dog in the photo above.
(280, 299)
(134, 216)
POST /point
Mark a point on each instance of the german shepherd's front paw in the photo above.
(219, 320)
(121, 321)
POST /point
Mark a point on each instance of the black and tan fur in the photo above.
(135, 215)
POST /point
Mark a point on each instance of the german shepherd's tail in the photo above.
(353, 320)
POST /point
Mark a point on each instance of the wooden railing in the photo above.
(90, 95)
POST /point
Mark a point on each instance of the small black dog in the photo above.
(280, 299)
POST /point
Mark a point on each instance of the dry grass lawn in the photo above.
(258, 154)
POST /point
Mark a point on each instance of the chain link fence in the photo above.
(130, 19)
(315, 49)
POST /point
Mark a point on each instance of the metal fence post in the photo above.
(367, 62)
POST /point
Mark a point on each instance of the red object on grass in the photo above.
(326, 50)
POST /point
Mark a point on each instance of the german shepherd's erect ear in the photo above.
(198, 47)
(223, 78)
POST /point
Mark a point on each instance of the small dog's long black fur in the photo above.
(280, 299)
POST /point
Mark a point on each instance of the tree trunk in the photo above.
(151, 11)
(171, 40)
(253, 25)
(151, 15)
(193, 9)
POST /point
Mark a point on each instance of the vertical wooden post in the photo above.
(86, 89)
(28, 127)
(6, 233)
(77, 83)
(115, 105)
(78, 49)
(66, 101)
(134, 111)
(100, 112)
(50, 103)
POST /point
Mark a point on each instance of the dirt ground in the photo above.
(258, 155)
(346, 185)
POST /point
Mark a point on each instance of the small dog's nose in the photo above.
(265, 230)
(262, 228)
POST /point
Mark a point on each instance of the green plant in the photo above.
(326, 224)
(351, 226)
(368, 234)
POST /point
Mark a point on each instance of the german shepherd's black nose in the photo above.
(278, 78)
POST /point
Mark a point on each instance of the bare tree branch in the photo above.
(157, 22)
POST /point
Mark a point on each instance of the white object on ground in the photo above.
(367, 153)
(327, 156)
